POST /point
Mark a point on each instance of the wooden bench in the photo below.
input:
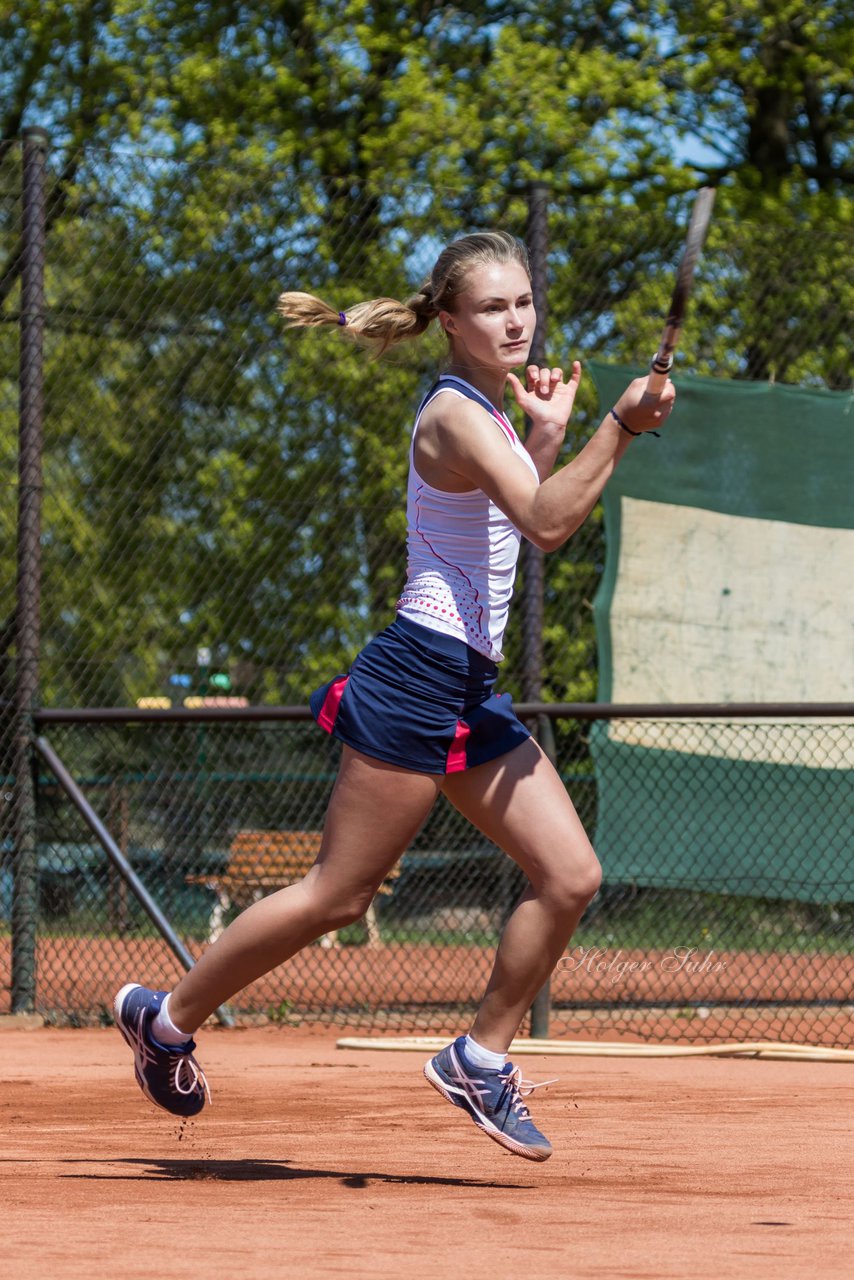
(261, 862)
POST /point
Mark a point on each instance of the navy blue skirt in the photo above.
(422, 700)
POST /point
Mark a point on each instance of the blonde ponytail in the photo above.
(378, 324)
(383, 322)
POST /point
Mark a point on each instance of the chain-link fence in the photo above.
(213, 485)
(692, 950)
(222, 512)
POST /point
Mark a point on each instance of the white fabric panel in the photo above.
(720, 608)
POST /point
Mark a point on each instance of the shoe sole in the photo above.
(509, 1144)
(119, 1020)
(118, 1017)
(121, 996)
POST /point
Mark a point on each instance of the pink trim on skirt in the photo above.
(331, 703)
(456, 761)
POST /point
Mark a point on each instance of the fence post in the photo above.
(28, 599)
(532, 558)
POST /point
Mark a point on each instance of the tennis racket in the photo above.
(663, 361)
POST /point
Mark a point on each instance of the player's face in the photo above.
(492, 324)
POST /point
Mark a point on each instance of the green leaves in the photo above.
(213, 481)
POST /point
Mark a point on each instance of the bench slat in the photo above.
(270, 860)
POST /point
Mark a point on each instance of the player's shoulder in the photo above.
(450, 415)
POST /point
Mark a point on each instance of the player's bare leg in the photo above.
(374, 812)
(519, 803)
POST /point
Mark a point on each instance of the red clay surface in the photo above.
(319, 1162)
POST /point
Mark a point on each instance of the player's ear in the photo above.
(446, 320)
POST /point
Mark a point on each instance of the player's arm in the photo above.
(548, 513)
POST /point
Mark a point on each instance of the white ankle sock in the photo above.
(484, 1057)
(163, 1028)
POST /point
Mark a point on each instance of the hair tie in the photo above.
(342, 319)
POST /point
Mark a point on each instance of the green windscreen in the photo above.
(729, 577)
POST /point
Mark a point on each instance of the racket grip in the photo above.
(658, 376)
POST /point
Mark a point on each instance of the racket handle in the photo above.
(658, 373)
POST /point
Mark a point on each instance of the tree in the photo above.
(212, 481)
(766, 84)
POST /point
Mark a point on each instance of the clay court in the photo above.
(318, 1161)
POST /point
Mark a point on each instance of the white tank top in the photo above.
(462, 548)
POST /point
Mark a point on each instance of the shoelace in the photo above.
(187, 1065)
(521, 1089)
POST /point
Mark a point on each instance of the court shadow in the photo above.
(189, 1170)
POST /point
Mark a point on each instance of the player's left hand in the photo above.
(547, 399)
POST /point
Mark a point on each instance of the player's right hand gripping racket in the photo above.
(663, 362)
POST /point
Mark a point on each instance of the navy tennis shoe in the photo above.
(493, 1099)
(168, 1075)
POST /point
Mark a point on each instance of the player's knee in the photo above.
(333, 904)
(347, 908)
(591, 878)
(577, 883)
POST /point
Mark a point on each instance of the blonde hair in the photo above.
(383, 322)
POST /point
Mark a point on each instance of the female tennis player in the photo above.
(418, 713)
